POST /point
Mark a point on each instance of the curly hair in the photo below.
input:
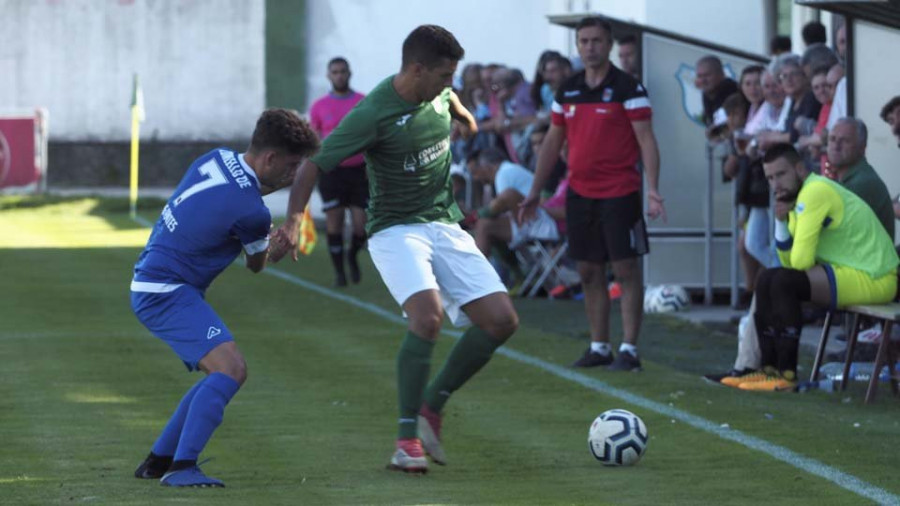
(284, 130)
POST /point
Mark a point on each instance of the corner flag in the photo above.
(307, 233)
(137, 116)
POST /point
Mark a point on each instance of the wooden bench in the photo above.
(887, 314)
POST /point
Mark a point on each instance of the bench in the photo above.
(887, 314)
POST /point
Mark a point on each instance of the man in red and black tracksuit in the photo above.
(604, 114)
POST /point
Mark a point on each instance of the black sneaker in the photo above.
(593, 359)
(717, 378)
(153, 467)
(625, 361)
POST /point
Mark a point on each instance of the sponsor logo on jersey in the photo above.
(607, 94)
(212, 332)
(403, 119)
(573, 93)
(570, 112)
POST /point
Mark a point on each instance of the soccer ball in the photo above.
(618, 438)
(665, 299)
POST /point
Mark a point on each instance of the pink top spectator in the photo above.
(327, 112)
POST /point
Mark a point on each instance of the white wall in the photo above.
(370, 35)
(876, 83)
(201, 63)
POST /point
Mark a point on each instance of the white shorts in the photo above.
(434, 256)
(542, 228)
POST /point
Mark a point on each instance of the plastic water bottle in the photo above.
(826, 385)
(859, 371)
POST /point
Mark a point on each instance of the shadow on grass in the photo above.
(114, 210)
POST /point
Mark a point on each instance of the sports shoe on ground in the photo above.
(190, 477)
(153, 467)
(340, 280)
(870, 335)
(773, 383)
(409, 457)
(625, 361)
(593, 359)
(734, 373)
(355, 274)
(560, 292)
(749, 377)
(430, 434)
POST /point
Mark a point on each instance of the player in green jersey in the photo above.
(429, 264)
(834, 252)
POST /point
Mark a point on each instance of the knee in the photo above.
(237, 370)
(503, 326)
(591, 274)
(427, 326)
(625, 271)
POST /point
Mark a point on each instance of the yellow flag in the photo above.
(307, 233)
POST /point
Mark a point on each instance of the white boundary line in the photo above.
(790, 457)
(811, 466)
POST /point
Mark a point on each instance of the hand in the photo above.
(465, 129)
(782, 209)
(655, 207)
(528, 208)
(282, 240)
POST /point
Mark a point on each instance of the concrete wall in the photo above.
(201, 63)
(370, 34)
(876, 83)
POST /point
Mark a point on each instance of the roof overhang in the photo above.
(880, 12)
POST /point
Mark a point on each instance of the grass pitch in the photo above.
(84, 390)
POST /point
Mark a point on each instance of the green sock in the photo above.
(472, 351)
(413, 364)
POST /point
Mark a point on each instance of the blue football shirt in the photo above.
(215, 211)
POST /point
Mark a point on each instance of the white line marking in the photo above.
(790, 457)
(811, 466)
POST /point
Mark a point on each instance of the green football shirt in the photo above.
(407, 151)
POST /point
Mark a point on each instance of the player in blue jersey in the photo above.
(215, 212)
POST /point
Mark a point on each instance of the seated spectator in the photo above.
(711, 81)
(779, 45)
(847, 158)
(628, 55)
(512, 111)
(834, 253)
(813, 33)
(496, 221)
(859, 179)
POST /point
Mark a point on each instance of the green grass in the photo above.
(84, 390)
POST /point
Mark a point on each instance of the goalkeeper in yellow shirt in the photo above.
(834, 252)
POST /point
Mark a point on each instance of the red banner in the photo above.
(18, 153)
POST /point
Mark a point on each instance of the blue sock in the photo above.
(167, 442)
(205, 414)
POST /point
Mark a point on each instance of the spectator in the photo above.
(513, 110)
(815, 56)
(559, 170)
(487, 75)
(716, 88)
(890, 113)
(823, 90)
(835, 253)
(779, 45)
(472, 94)
(552, 69)
(604, 114)
(847, 157)
(814, 33)
(628, 55)
(347, 187)
(802, 102)
(496, 220)
(751, 88)
(772, 114)
(840, 42)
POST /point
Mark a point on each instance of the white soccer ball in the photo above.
(618, 438)
(665, 299)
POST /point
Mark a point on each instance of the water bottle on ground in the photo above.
(859, 371)
(826, 385)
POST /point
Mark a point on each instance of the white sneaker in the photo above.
(871, 335)
(409, 457)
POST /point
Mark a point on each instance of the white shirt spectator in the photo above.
(510, 175)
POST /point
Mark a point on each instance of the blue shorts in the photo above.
(183, 320)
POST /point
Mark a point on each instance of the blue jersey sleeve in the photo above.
(253, 230)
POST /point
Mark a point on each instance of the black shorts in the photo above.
(605, 230)
(344, 187)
